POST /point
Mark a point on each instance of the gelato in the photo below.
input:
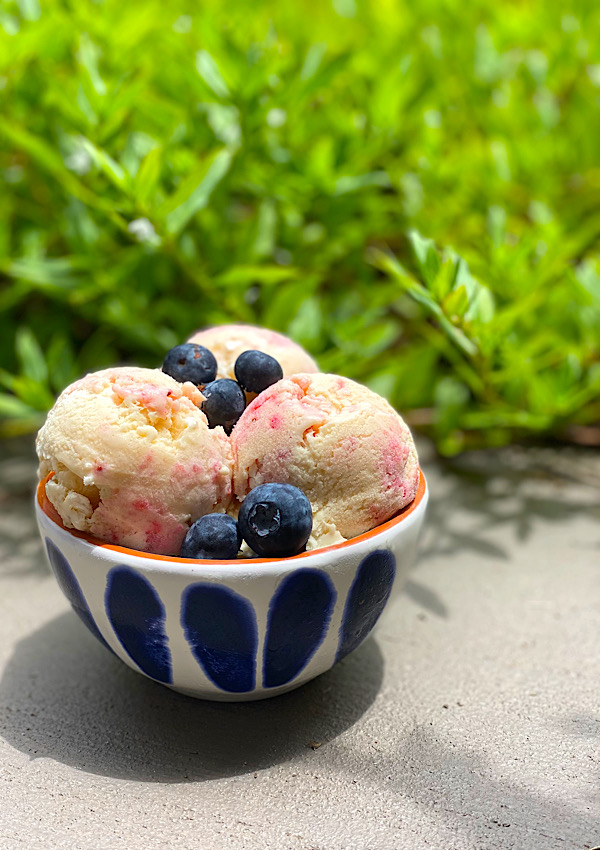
(133, 460)
(340, 443)
(227, 342)
(137, 458)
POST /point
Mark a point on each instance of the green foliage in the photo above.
(171, 165)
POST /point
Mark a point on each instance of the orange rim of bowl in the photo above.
(48, 508)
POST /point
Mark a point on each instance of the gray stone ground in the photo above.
(471, 721)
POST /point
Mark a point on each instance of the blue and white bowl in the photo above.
(232, 630)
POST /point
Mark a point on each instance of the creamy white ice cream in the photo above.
(343, 445)
(227, 342)
(133, 459)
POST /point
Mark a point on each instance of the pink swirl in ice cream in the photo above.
(133, 459)
(228, 341)
(343, 445)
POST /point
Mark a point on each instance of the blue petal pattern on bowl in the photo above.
(232, 633)
(71, 588)
(137, 615)
(366, 600)
(298, 620)
(220, 627)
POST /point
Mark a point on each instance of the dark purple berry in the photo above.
(225, 403)
(214, 536)
(275, 520)
(191, 362)
(255, 371)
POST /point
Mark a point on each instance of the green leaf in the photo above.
(482, 307)
(415, 368)
(224, 122)
(195, 193)
(346, 185)
(88, 56)
(308, 325)
(480, 299)
(115, 173)
(33, 393)
(85, 107)
(496, 223)
(456, 302)
(30, 9)
(265, 230)
(7, 380)
(137, 147)
(426, 256)
(210, 73)
(49, 274)
(148, 175)
(392, 267)
(312, 61)
(451, 397)
(47, 157)
(238, 276)
(285, 302)
(13, 408)
(383, 383)
(378, 336)
(62, 364)
(444, 280)
(31, 356)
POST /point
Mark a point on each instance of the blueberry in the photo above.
(256, 371)
(214, 536)
(191, 362)
(225, 403)
(275, 520)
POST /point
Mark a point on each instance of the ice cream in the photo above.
(343, 445)
(227, 342)
(133, 459)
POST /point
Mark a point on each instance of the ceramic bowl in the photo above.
(232, 630)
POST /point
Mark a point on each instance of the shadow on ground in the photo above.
(482, 502)
(512, 491)
(64, 697)
(459, 785)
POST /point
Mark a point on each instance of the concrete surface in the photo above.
(471, 721)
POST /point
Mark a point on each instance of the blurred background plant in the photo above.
(411, 190)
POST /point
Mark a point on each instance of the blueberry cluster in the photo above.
(275, 520)
(225, 400)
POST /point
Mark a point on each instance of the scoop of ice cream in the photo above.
(133, 459)
(339, 442)
(228, 341)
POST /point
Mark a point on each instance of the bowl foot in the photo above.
(250, 696)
